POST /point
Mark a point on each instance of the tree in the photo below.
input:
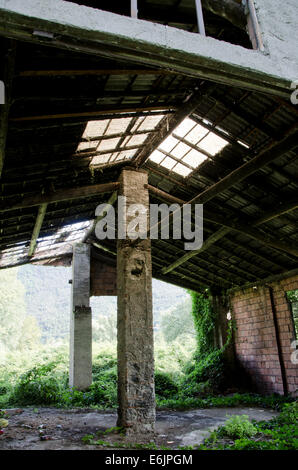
(178, 321)
(17, 330)
(12, 308)
(31, 334)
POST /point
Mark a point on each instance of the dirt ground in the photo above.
(57, 429)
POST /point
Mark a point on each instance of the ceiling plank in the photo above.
(8, 76)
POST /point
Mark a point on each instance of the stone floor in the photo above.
(64, 429)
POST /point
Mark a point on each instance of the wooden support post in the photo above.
(80, 367)
(8, 75)
(36, 231)
(136, 397)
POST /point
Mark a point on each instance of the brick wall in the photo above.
(255, 336)
(103, 278)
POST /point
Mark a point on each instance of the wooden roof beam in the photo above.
(93, 72)
(250, 231)
(63, 195)
(271, 153)
(228, 226)
(36, 231)
(93, 114)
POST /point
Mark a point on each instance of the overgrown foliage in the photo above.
(205, 373)
(280, 433)
(238, 427)
(204, 321)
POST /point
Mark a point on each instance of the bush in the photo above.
(238, 427)
(289, 414)
(3, 390)
(204, 376)
(38, 386)
(103, 362)
(165, 387)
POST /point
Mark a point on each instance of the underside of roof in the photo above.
(75, 120)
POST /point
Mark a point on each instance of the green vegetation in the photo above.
(280, 433)
(238, 433)
(293, 299)
(189, 371)
(238, 427)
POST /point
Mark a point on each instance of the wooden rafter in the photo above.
(93, 72)
(63, 195)
(250, 230)
(232, 225)
(271, 153)
(259, 161)
(93, 114)
(36, 231)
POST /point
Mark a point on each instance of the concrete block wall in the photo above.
(255, 338)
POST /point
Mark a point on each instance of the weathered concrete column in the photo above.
(136, 395)
(80, 368)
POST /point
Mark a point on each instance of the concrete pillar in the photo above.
(80, 368)
(136, 395)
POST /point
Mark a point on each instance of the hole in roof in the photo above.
(168, 163)
(189, 145)
(58, 239)
(212, 143)
(108, 144)
(194, 158)
(182, 170)
(116, 139)
(92, 145)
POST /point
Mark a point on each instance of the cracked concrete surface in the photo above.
(65, 428)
